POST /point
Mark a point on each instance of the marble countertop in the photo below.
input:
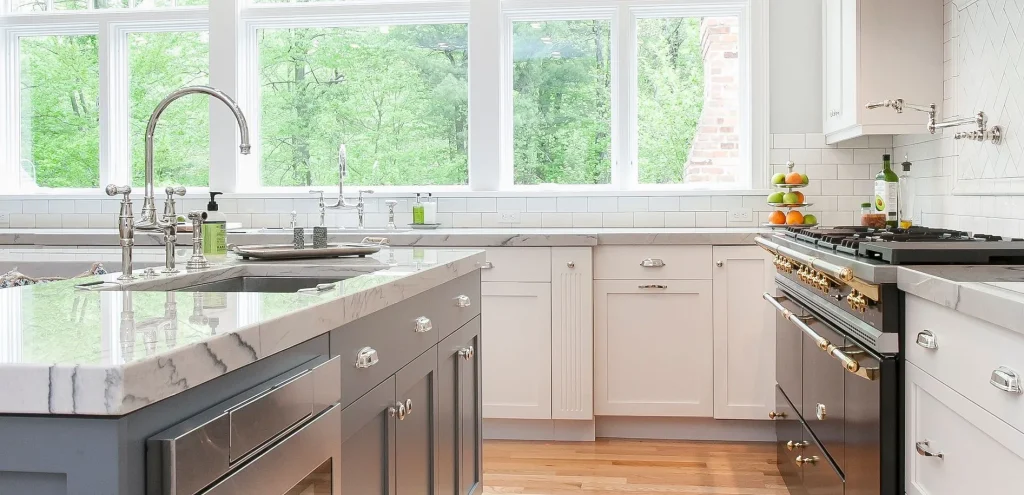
(994, 293)
(112, 351)
(425, 238)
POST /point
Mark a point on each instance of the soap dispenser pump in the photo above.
(215, 229)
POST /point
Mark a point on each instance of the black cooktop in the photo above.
(914, 246)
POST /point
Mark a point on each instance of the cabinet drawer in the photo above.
(820, 476)
(980, 453)
(392, 338)
(966, 353)
(666, 262)
(517, 265)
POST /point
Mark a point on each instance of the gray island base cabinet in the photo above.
(410, 422)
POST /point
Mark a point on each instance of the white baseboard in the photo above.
(630, 427)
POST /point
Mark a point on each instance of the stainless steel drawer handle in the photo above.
(463, 302)
(424, 325)
(366, 357)
(926, 339)
(812, 460)
(487, 265)
(925, 450)
(652, 263)
(466, 353)
(820, 412)
(1006, 379)
(653, 286)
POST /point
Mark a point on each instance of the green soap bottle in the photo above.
(215, 229)
(417, 211)
(887, 190)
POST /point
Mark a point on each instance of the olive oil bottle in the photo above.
(887, 190)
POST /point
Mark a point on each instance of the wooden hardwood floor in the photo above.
(610, 467)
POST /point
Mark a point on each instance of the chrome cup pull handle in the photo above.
(487, 265)
(463, 302)
(366, 357)
(652, 263)
(926, 339)
(424, 325)
(1006, 379)
(925, 450)
(467, 353)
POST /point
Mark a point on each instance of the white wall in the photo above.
(795, 66)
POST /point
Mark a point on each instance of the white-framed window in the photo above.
(481, 95)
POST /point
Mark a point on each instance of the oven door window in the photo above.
(319, 482)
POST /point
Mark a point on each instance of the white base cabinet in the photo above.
(653, 348)
(744, 357)
(979, 452)
(572, 333)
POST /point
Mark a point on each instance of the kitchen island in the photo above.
(88, 374)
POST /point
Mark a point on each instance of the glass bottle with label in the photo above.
(887, 192)
(906, 199)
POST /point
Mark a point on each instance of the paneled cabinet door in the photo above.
(517, 326)
(416, 389)
(368, 443)
(653, 348)
(572, 333)
(744, 333)
(459, 428)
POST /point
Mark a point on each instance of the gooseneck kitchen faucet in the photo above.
(149, 220)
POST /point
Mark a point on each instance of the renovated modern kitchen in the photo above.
(548, 247)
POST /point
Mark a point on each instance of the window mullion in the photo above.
(115, 167)
(225, 41)
(486, 81)
(8, 158)
(624, 175)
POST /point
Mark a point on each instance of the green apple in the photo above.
(779, 179)
(775, 197)
(806, 180)
(790, 198)
(810, 219)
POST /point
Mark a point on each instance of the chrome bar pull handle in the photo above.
(424, 325)
(1006, 379)
(366, 357)
(925, 450)
(487, 265)
(463, 301)
(653, 286)
(652, 263)
(926, 339)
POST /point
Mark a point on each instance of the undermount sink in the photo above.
(264, 284)
(336, 231)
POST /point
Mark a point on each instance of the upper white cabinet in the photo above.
(744, 333)
(874, 50)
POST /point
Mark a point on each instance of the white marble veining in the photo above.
(538, 237)
(112, 351)
(994, 293)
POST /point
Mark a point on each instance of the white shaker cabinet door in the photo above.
(517, 331)
(955, 447)
(653, 348)
(744, 333)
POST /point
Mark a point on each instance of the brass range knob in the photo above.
(857, 301)
(791, 445)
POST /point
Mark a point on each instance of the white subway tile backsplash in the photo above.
(726, 202)
(854, 172)
(556, 220)
(467, 220)
(868, 156)
(266, 220)
(857, 142)
(603, 204)
(273, 205)
(664, 203)
(530, 220)
(789, 141)
(681, 219)
(516, 204)
(820, 172)
(778, 156)
(880, 141)
(248, 205)
(836, 187)
(482, 205)
(10, 206)
(35, 206)
(817, 141)
(74, 221)
(694, 203)
(572, 204)
(23, 221)
(633, 203)
(88, 206)
(451, 205)
(587, 220)
(649, 219)
(710, 219)
(492, 221)
(619, 220)
(805, 157)
(48, 221)
(837, 156)
(541, 205)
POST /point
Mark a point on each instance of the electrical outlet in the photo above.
(741, 215)
(509, 216)
(5, 218)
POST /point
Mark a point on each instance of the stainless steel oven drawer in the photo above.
(820, 476)
(789, 434)
(376, 346)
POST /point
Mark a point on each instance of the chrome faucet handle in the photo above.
(125, 229)
(322, 206)
(391, 213)
(295, 220)
(169, 210)
(197, 261)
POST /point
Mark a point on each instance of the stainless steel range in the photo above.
(839, 396)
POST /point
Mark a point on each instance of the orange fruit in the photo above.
(794, 218)
(799, 197)
(794, 178)
(777, 218)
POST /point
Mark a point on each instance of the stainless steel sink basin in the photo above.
(262, 284)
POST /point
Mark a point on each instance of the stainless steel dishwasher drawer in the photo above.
(269, 433)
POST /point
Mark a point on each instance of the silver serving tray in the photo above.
(369, 245)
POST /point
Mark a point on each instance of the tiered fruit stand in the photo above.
(791, 207)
